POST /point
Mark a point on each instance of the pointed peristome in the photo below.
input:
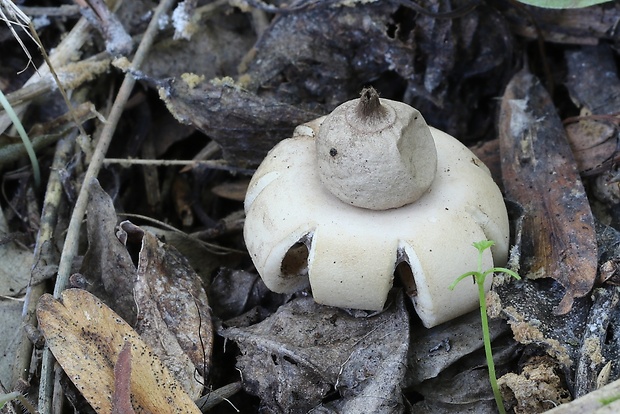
(369, 108)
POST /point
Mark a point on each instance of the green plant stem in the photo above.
(5, 398)
(486, 336)
(479, 277)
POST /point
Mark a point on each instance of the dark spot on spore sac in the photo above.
(333, 152)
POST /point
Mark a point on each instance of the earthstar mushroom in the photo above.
(369, 188)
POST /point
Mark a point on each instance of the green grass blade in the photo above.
(5, 398)
(24, 136)
(563, 4)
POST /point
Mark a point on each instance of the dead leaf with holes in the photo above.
(86, 338)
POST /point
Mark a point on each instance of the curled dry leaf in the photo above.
(86, 338)
(174, 316)
(163, 297)
(107, 264)
(540, 173)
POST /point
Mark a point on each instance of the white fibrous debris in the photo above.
(40, 22)
(163, 22)
(181, 21)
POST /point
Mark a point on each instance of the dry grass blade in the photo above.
(13, 16)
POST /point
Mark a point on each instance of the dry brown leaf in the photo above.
(86, 337)
(540, 173)
(594, 144)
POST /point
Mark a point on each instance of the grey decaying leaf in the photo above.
(434, 350)
(107, 264)
(305, 351)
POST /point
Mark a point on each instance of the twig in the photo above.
(14, 16)
(207, 402)
(72, 75)
(64, 10)
(214, 164)
(12, 152)
(49, 217)
(71, 241)
(62, 91)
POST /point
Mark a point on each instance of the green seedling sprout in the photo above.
(479, 277)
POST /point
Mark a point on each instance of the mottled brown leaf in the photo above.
(86, 337)
(540, 173)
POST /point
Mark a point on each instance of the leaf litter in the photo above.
(259, 75)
